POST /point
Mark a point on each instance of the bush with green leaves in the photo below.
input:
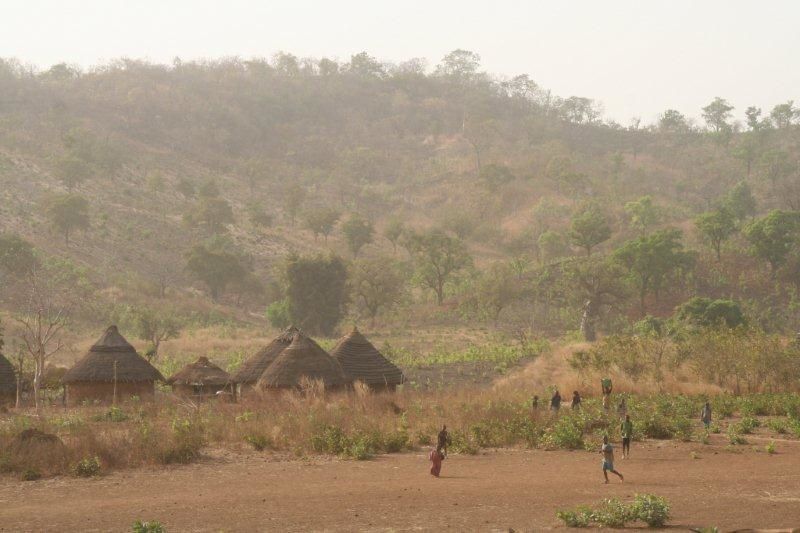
(651, 509)
(257, 441)
(148, 527)
(87, 467)
(581, 516)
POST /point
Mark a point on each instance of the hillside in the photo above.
(159, 151)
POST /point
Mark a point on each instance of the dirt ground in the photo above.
(496, 490)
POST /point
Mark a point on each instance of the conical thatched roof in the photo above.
(252, 369)
(303, 358)
(363, 362)
(98, 364)
(8, 380)
(201, 372)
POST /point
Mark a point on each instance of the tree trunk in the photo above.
(587, 321)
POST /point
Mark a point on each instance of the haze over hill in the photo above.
(262, 158)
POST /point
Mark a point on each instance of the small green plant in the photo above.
(30, 474)
(258, 442)
(612, 513)
(581, 516)
(746, 425)
(148, 527)
(651, 509)
(778, 425)
(770, 448)
(694, 455)
(87, 467)
(733, 435)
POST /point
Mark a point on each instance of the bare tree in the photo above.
(46, 311)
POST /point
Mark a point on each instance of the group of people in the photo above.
(438, 454)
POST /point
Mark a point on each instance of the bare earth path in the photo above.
(492, 491)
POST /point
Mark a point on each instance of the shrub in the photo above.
(329, 439)
(566, 433)
(258, 442)
(770, 448)
(581, 516)
(746, 425)
(778, 425)
(87, 467)
(612, 513)
(148, 527)
(30, 474)
(187, 440)
(650, 509)
(460, 443)
(734, 437)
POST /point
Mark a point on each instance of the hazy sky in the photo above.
(636, 57)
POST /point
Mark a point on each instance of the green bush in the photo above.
(778, 425)
(746, 425)
(650, 509)
(87, 467)
(148, 527)
(734, 437)
(581, 516)
(30, 474)
(258, 442)
(566, 433)
(612, 513)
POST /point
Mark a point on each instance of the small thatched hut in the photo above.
(362, 362)
(8, 382)
(199, 379)
(112, 364)
(252, 369)
(303, 358)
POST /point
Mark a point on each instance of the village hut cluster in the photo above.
(113, 371)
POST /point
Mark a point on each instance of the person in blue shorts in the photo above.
(608, 459)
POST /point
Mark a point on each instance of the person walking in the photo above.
(627, 435)
(607, 451)
(705, 415)
(439, 453)
(555, 401)
(576, 401)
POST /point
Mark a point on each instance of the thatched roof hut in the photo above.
(303, 358)
(362, 362)
(111, 364)
(8, 381)
(199, 378)
(252, 369)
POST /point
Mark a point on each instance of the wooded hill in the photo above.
(135, 172)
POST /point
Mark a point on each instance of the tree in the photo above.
(258, 215)
(321, 221)
(294, 196)
(216, 263)
(212, 214)
(72, 171)
(651, 260)
(358, 232)
(495, 289)
(672, 121)
(68, 213)
(437, 258)
(495, 176)
(784, 115)
(461, 65)
(394, 231)
(710, 313)
(16, 255)
(552, 245)
(589, 227)
(51, 292)
(596, 283)
(753, 115)
(377, 284)
(717, 114)
(316, 289)
(740, 201)
(643, 214)
(363, 64)
(772, 237)
(154, 326)
(716, 227)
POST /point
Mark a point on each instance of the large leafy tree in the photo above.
(378, 285)
(717, 114)
(438, 257)
(590, 227)
(643, 214)
(651, 260)
(321, 221)
(358, 232)
(217, 264)
(773, 236)
(316, 292)
(68, 213)
(716, 227)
